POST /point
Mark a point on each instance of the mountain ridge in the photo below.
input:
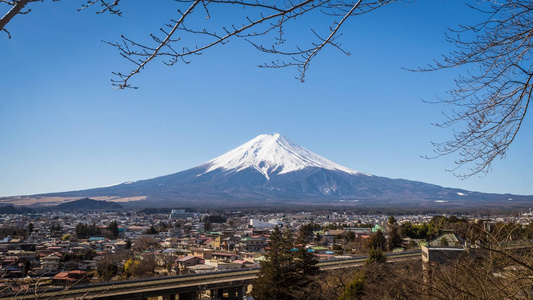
(268, 153)
(271, 169)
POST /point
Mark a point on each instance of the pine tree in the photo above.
(375, 256)
(275, 276)
(287, 268)
(377, 241)
(307, 286)
(306, 262)
(355, 288)
(113, 227)
(395, 240)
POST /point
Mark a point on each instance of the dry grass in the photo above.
(51, 201)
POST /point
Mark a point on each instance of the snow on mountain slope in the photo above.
(271, 169)
(268, 153)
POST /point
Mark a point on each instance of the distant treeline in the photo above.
(89, 204)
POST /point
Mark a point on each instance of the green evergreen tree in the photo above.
(113, 227)
(287, 269)
(377, 241)
(306, 231)
(26, 268)
(350, 236)
(395, 240)
(85, 231)
(355, 288)
(275, 278)
(151, 230)
(375, 256)
(306, 262)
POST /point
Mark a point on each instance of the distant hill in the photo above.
(87, 204)
(14, 210)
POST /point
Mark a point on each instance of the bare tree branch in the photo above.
(17, 6)
(492, 98)
(262, 20)
(326, 41)
(107, 6)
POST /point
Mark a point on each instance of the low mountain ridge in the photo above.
(87, 204)
(15, 210)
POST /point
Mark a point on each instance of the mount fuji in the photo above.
(271, 169)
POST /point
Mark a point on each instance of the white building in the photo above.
(256, 223)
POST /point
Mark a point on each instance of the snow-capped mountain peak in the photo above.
(268, 153)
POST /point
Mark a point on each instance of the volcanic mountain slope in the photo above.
(272, 169)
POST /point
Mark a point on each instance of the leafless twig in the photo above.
(492, 98)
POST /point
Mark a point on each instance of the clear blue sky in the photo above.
(62, 126)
